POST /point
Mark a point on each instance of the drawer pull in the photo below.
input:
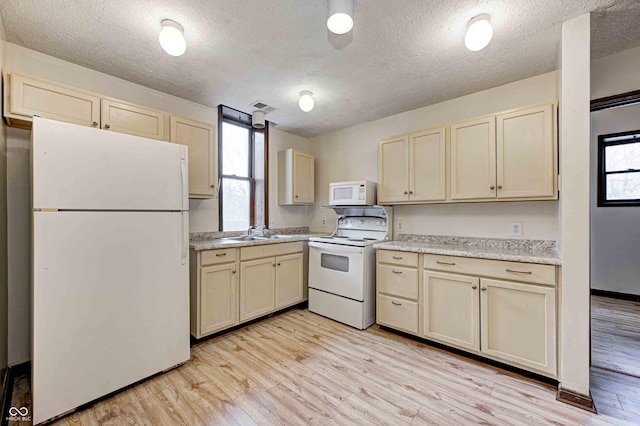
(396, 303)
(397, 257)
(519, 272)
(220, 254)
(396, 272)
(445, 263)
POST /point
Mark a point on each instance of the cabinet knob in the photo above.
(95, 123)
(297, 196)
(410, 192)
(499, 186)
(274, 265)
(106, 126)
(405, 192)
(213, 186)
(233, 272)
(278, 263)
(473, 287)
(492, 187)
(484, 289)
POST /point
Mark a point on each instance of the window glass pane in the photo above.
(623, 186)
(235, 150)
(622, 157)
(236, 198)
(259, 178)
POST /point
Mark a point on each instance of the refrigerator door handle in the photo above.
(185, 238)
(184, 175)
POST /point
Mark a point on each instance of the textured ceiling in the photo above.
(401, 54)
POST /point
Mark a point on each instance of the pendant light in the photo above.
(172, 38)
(306, 102)
(340, 20)
(479, 33)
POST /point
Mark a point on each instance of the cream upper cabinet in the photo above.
(27, 96)
(296, 178)
(473, 159)
(451, 309)
(218, 298)
(427, 165)
(200, 138)
(526, 153)
(133, 119)
(289, 281)
(518, 324)
(411, 168)
(257, 288)
(393, 170)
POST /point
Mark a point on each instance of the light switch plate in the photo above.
(515, 229)
(399, 225)
(324, 223)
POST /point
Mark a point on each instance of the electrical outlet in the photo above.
(399, 225)
(272, 224)
(515, 229)
(324, 223)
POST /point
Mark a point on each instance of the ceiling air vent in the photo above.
(262, 106)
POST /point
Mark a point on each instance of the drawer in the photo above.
(212, 257)
(402, 258)
(398, 281)
(398, 313)
(270, 250)
(513, 271)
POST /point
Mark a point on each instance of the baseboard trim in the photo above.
(10, 374)
(616, 295)
(576, 399)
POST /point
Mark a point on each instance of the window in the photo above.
(619, 169)
(242, 162)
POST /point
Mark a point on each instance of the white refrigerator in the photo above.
(110, 283)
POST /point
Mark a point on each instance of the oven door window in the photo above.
(334, 262)
(344, 193)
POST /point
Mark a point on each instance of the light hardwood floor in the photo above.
(300, 368)
(615, 335)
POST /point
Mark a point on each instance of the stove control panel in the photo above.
(363, 223)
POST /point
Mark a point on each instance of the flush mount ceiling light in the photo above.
(479, 33)
(340, 20)
(172, 38)
(306, 102)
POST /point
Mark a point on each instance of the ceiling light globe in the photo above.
(306, 102)
(340, 23)
(172, 38)
(340, 16)
(479, 33)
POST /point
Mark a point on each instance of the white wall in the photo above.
(615, 74)
(351, 154)
(615, 231)
(574, 170)
(203, 213)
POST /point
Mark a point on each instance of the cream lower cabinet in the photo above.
(200, 139)
(505, 311)
(450, 309)
(518, 324)
(289, 279)
(257, 288)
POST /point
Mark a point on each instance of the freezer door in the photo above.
(110, 303)
(80, 168)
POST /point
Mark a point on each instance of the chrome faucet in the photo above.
(256, 231)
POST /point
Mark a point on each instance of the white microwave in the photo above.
(355, 193)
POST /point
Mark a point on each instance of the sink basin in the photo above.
(275, 237)
(245, 238)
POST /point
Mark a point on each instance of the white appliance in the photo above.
(354, 193)
(110, 283)
(342, 267)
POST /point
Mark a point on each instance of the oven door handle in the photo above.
(335, 248)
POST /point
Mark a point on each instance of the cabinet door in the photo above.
(473, 159)
(134, 120)
(427, 165)
(518, 324)
(288, 280)
(393, 173)
(257, 288)
(218, 298)
(200, 138)
(450, 309)
(29, 97)
(303, 178)
(526, 153)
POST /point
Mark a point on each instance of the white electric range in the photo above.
(342, 267)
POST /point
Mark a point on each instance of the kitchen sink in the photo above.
(275, 237)
(256, 237)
